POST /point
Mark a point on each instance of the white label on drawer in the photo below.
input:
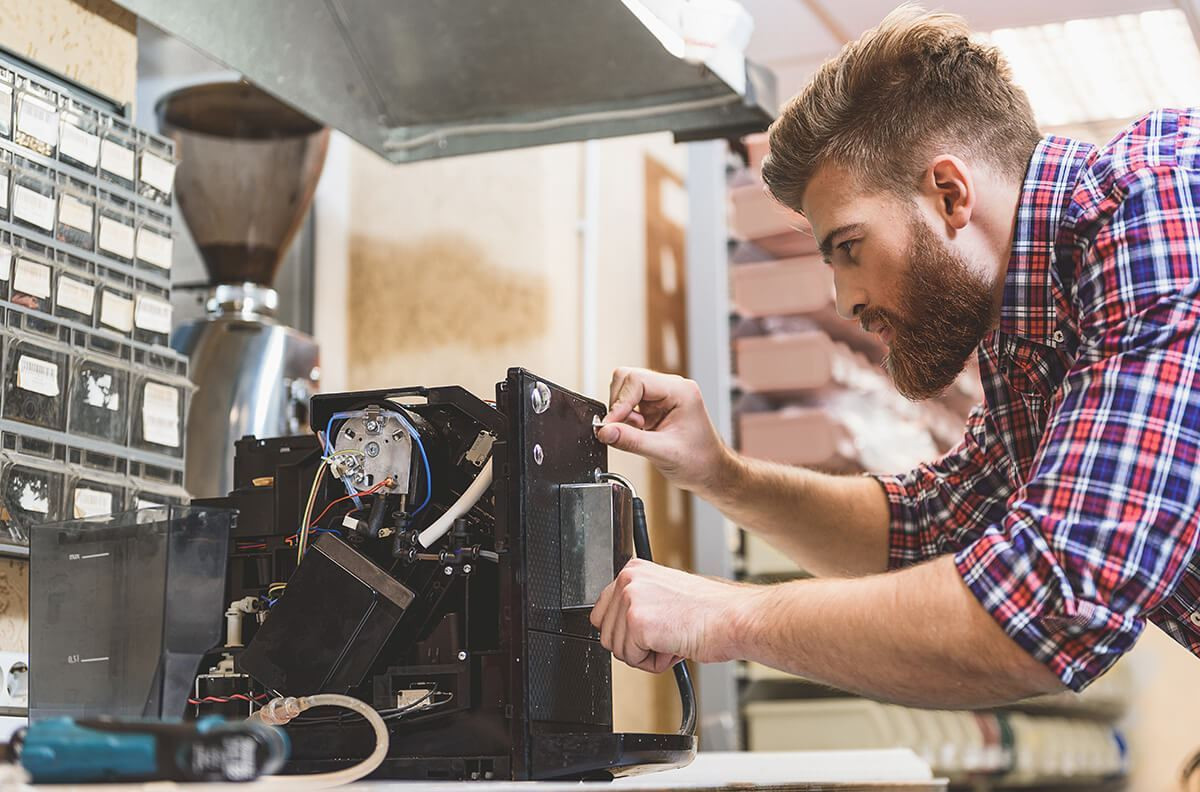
(99, 392)
(92, 503)
(154, 248)
(152, 314)
(147, 504)
(116, 159)
(116, 237)
(38, 119)
(5, 263)
(116, 311)
(76, 295)
(33, 499)
(79, 145)
(33, 207)
(75, 213)
(37, 376)
(160, 415)
(158, 172)
(4, 191)
(32, 278)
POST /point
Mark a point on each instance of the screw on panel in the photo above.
(462, 655)
(538, 456)
(448, 570)
(466, 569)
(372, 449)
(540, 395)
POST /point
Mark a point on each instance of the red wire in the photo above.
(370, 491)
(223, 700)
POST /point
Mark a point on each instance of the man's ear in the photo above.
(949, 185)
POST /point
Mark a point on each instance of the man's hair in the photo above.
(911, 88)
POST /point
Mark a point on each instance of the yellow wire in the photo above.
(312, 497)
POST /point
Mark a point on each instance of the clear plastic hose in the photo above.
(281, 710)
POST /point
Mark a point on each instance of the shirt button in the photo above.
(1058, 336)
(1195, 618)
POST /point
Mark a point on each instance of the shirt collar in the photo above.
(1028, 309)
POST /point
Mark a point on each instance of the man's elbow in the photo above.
(1028, 678)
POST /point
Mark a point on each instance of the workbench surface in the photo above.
(894, 770)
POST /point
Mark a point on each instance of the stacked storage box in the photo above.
(93, 405)
(810, 391)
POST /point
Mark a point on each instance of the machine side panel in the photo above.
(555, 445)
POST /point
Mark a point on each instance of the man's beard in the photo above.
(947, 310)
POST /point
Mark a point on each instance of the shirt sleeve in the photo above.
(938, 507)
(1106, 525)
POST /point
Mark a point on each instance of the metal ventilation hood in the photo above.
(417, 79)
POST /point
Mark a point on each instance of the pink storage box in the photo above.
(797, 436)
(754, 215)
(756, 149)
(792, 362)
(786, 286)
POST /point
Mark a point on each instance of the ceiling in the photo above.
(793, 37)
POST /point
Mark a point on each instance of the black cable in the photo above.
(683, 679)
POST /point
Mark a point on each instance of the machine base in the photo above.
(592, 757)
(601, 756)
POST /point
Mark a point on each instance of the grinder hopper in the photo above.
(248, 169)
(249, 166)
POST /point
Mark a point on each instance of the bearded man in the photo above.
(1029, 558)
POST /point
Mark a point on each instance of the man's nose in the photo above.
(851, 296)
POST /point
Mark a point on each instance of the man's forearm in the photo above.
(830, 525)
(916, 636)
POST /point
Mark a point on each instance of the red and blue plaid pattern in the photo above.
(1071, 504)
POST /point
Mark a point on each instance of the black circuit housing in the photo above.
(518, 686)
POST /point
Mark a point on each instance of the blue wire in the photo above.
(333, 531)
(420, 446)
(351, 490)
(424, 458)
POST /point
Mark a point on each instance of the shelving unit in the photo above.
(94, 401)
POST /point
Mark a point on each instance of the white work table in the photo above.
(892, 770)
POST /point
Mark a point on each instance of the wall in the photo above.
(93, 42)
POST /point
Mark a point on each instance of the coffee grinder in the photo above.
(249, 166)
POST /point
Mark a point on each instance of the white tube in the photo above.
(337, 777)
(441, 526)
(233, 620)
(233, 628)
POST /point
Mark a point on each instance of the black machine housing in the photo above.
(482, 661)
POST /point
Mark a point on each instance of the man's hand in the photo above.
(653, 616)
(662, 417)
(917, 636)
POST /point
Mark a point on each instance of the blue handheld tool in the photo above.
(66, 751)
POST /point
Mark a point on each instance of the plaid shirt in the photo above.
(1071, 504)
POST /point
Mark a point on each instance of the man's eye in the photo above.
(847, 246)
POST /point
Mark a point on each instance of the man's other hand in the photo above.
(652, 616)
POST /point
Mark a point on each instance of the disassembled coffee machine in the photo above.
(436, 556)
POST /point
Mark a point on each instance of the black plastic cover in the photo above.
(322, 636)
